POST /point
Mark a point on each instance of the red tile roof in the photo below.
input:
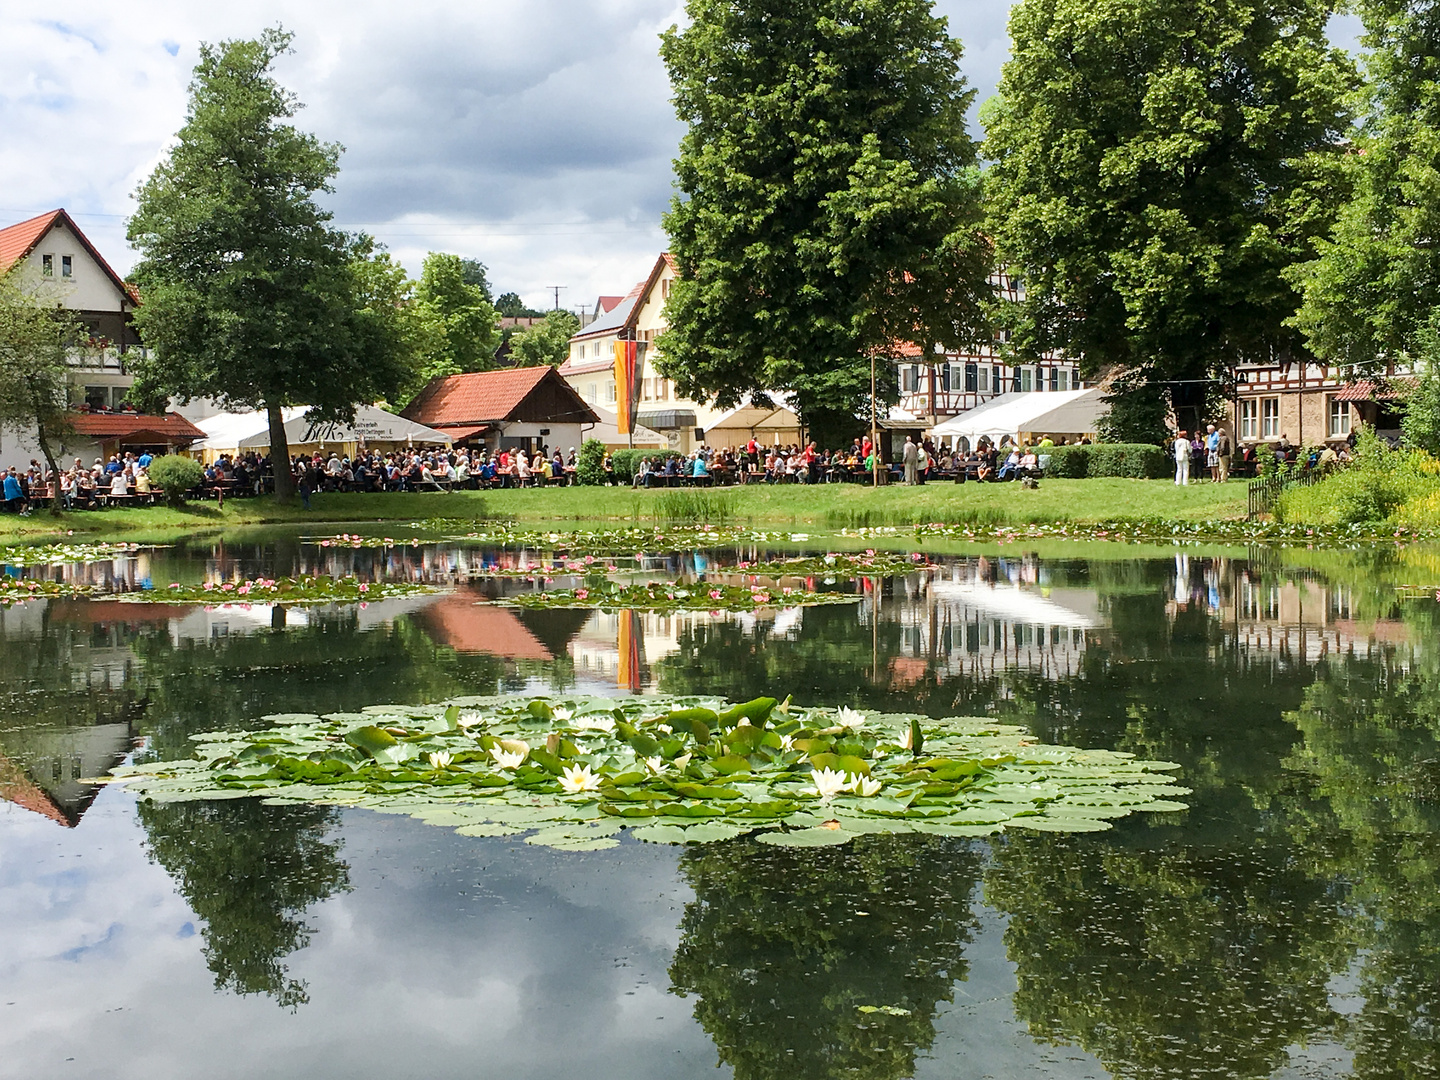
(172, 427)
(19, 240)
(1367, 390)
(19, 789)
(482, 397)
(606, 303)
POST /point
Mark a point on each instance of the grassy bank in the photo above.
(832, 506)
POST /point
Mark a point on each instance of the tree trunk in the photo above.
(49, 455)
(280, 456)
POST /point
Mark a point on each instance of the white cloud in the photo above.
(534, 135)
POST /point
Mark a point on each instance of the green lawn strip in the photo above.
(573, 773)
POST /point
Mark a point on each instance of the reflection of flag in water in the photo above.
(629, 370)
(629, 644)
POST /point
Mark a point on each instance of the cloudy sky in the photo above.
(534, 135)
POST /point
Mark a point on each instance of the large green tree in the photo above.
(462, 328)
(1376, 283)
(36, 342)
(251, 297)
(547, 342)
(828, 208)
(1158, 166)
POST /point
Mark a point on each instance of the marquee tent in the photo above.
(1028, 415)
(375, 428)
(769, 424)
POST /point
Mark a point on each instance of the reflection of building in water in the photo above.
(981, 616)
(1298, 615)
(45, 769)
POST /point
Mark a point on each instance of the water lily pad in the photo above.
(820, 837)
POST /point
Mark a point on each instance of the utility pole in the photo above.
(556, 290)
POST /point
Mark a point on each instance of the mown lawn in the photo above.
(832, 505)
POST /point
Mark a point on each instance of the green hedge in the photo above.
(1137, 461)
(627, 462)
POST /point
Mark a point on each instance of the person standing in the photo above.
(1222, 455)
(1182, 459)
(1212, 453)
(911, 459)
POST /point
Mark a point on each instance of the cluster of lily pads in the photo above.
(287, 590)
(321, 589)
(1159, 530)
(618, 541)
(869, 563)
(575, 773)
(662, 596)
(59, 554)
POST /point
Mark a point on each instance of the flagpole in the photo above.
(874, 423)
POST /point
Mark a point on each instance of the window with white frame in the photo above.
(610, 392)
(67, 266)
(1339, 418)
(47, 265)
(1249, 418)
(1027, 379)
(1270, 418)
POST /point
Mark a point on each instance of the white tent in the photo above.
(231, 432)
(1019, 415)
(608, 432)
(767, 423)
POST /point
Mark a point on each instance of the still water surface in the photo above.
(1288, 925)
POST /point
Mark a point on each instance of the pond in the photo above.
(1286, 925)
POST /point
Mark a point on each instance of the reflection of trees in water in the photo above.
(1170, 962)
(783, 946)
(249, 871)
(1372, 742)
(329, 665)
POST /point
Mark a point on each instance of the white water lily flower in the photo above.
(467, 720)
(595, 722)
(907, 738)
(866, 787)
(828, 783)
(562, 714)
(655, 764)
(744, 722)
(577, 778)
(787, 742)
(666, 728)
(850, 718)
(508, 759)
(440, 759)
(682, 761)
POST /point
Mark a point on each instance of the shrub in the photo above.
(590, 465)
(627, 462)
(1382, 485)
(176, 475)
(1068, 462)
(1138, 461)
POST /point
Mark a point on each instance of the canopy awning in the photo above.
(608, 432)
(251, 430)
(1050, 412)
(748, 416)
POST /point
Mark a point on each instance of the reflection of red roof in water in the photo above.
(906, 671)
(469, 627)
(19, 789)
(116, 611)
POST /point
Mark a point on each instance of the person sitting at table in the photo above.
(1029, 463)
(522, 469)
(119, 484)
(700, 472)
(1009, 470)
(142, 480)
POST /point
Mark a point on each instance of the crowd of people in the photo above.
(123, 477)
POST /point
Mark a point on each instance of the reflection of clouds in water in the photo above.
(491, 957)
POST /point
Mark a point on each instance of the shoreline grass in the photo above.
(831, 506)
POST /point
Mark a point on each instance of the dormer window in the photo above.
(67, 266)
(47, 265)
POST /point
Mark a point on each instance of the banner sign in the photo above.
(629, 371)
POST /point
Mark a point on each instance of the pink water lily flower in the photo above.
(364, 587)
(716, 594)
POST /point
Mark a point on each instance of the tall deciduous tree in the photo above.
(36, 340)
(547, 342)
(829, 203)
(1158, 165)
(1376, 284)
(462, 331)
(251, 297)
